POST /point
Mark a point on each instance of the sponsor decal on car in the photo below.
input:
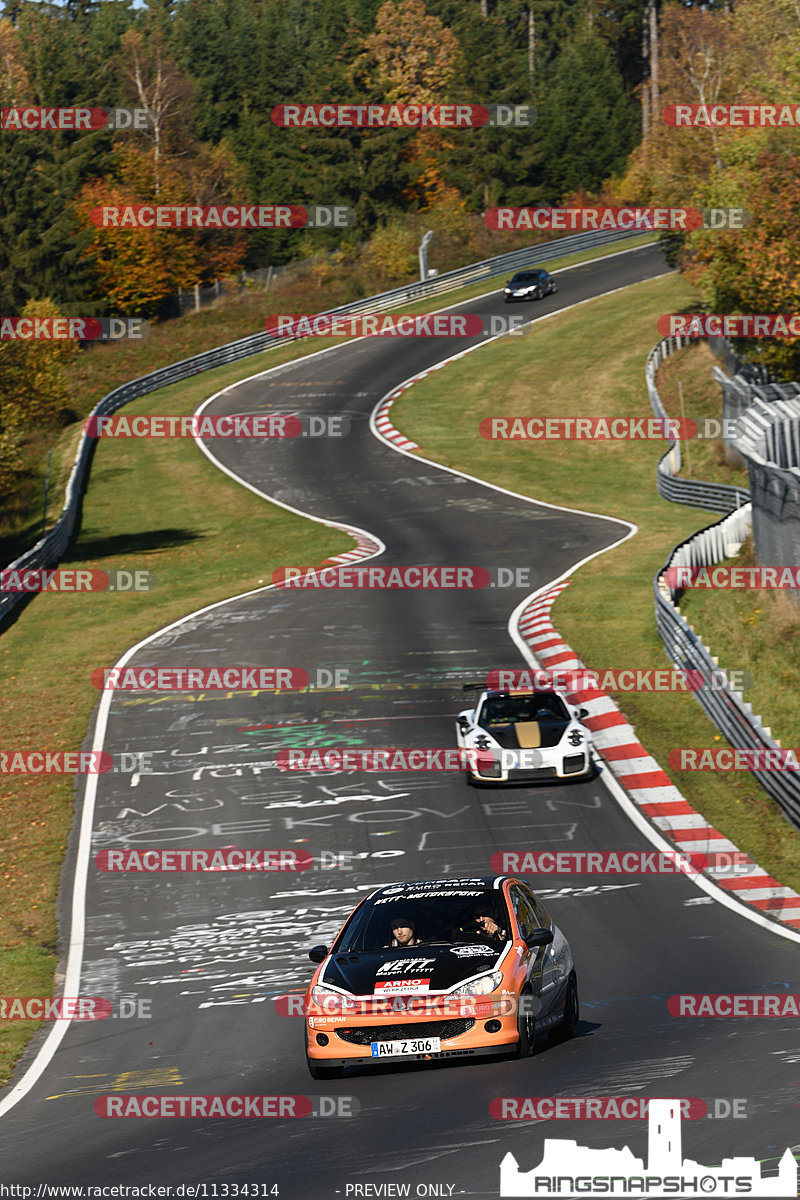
(403, 985)
(400, 965)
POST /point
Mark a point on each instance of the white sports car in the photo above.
(531, 735)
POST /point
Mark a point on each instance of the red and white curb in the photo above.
(650, 788)
(365, 547)
(381, 416)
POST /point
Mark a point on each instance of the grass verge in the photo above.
(206, 538)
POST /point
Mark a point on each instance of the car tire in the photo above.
(568, 1027)
(317, 1071)
(526, 1027)
(554, 288)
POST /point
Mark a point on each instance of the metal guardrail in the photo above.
(767, 441)
(726, 707)
(715, 497)
(49, 549)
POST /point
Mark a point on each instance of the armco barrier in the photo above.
(48, 550)
(716, 497)
(724, 705)
(768, 441)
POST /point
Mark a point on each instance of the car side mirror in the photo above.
(318, 954)
(464, 725)
(582, 712)
(539, 937)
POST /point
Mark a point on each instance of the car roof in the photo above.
(491, 693)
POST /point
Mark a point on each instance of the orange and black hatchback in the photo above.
(439, 968)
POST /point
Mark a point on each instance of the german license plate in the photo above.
(408, 1046)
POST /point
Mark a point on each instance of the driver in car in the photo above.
(484, 924)
(402, 927)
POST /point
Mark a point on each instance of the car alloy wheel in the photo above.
(568, 1027)
(526, 1024)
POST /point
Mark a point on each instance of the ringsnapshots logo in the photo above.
(412, 578)
(567, 1169)
(729, 325)
(69, 580)
(222, 216)
(403, 116)
(587, 218)
(75, 329)
(73, 119)
(626, 679)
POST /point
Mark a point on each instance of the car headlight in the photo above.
(330, 1001)
(480, 986)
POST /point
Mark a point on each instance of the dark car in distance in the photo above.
(530, 285)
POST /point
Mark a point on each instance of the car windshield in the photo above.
(526, 277)
(445, 918)
(505, 710)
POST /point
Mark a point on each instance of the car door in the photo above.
(558, 959)
(531, 959)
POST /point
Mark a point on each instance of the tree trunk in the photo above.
(645, 76)
(531, 41)
(655, 92)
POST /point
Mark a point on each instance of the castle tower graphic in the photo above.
(564, 1162)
